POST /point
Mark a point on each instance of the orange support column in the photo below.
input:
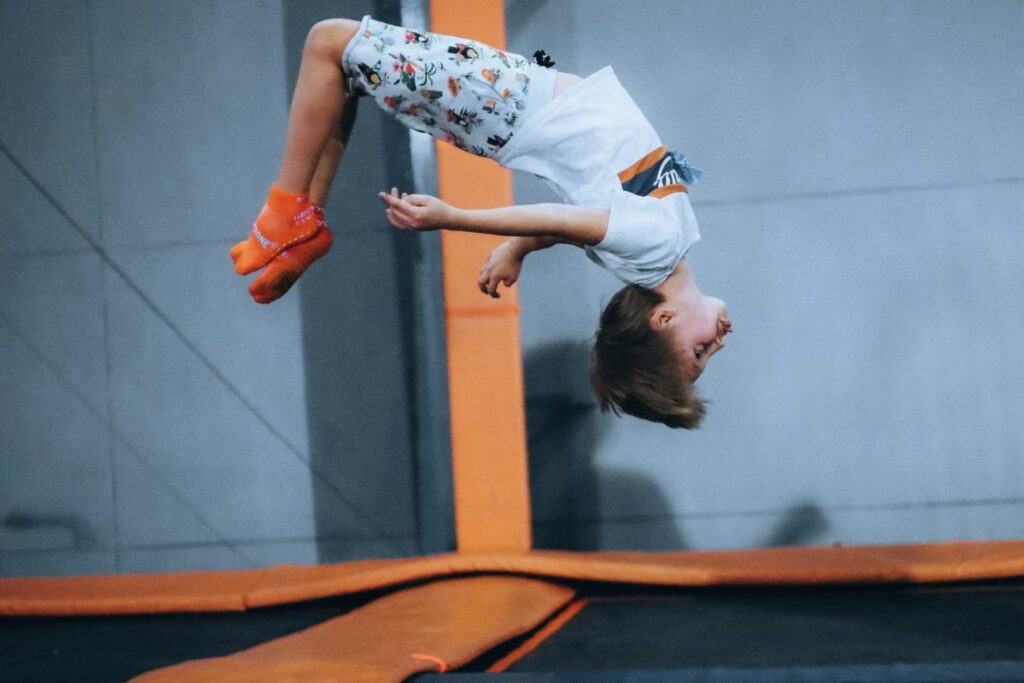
(485, 374)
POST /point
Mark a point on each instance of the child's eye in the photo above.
(699, 351)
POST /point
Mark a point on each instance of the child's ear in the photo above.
(661, 316)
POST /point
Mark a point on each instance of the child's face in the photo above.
(698, 332)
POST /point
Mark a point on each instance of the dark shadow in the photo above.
(565, 429)
(801, 525)
(82, 537)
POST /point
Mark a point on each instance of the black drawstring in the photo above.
(542, 58)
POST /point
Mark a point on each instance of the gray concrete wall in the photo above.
(862, 216)
(151, 416)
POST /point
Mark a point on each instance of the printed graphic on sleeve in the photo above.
(657, 174)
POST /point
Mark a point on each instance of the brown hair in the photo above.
(634, 368)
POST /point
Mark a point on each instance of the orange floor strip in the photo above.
(485, 374)
(237, 590)
(452, 621)
(534, 641)
(442, 665)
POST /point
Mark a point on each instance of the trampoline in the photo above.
(497, 609)
(950, 611)
(116, 648)
(608, 632)
(869, 633)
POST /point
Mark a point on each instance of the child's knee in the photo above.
(329, 37)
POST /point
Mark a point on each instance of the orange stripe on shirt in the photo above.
(639, 167)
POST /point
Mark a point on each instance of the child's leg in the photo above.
(334, 150)
(318, 103)
(459, 90)
(283, 271)
(317, 109)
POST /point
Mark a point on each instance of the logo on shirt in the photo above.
(657, 175)
(668, 174)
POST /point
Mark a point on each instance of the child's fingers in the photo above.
(397, 220)
(418, 199)
(397, 205)
(484, 281)
(391, 199)
(401, 203)
(401, 221)
(399, 195)
(492, 287)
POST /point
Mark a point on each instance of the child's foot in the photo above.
(285, 268)
(286, 219)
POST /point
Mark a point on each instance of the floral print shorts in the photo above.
(461, 91)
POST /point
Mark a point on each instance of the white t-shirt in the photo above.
(594, 146)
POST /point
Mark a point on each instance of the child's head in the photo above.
(649, 351)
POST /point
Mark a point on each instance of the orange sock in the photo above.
(286, 219)
(285, 268)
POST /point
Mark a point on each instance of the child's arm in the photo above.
(563, 222)
(506, 261)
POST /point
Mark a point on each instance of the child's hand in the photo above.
(415, 211)
(502, 266)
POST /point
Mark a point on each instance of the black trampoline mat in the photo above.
(116, 648)
(691, 634)
(975, 672)
(794, 627)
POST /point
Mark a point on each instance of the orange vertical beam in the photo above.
(485, 373)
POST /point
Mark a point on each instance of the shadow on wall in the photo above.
(565, 429)
(580, 506)
(801, 524)
(82, 537)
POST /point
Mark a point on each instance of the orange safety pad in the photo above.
(491, 487)
(434, 627)
(220, 591)
(226, 591)
(492, 509)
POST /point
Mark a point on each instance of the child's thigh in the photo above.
(459, 90)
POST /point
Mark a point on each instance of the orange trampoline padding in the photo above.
(238, 590)
(218, 591)
(489, 473)
(433, 627)
(488, 462)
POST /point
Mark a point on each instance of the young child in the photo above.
(625, 195)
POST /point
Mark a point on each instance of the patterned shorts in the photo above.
(461, 91)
